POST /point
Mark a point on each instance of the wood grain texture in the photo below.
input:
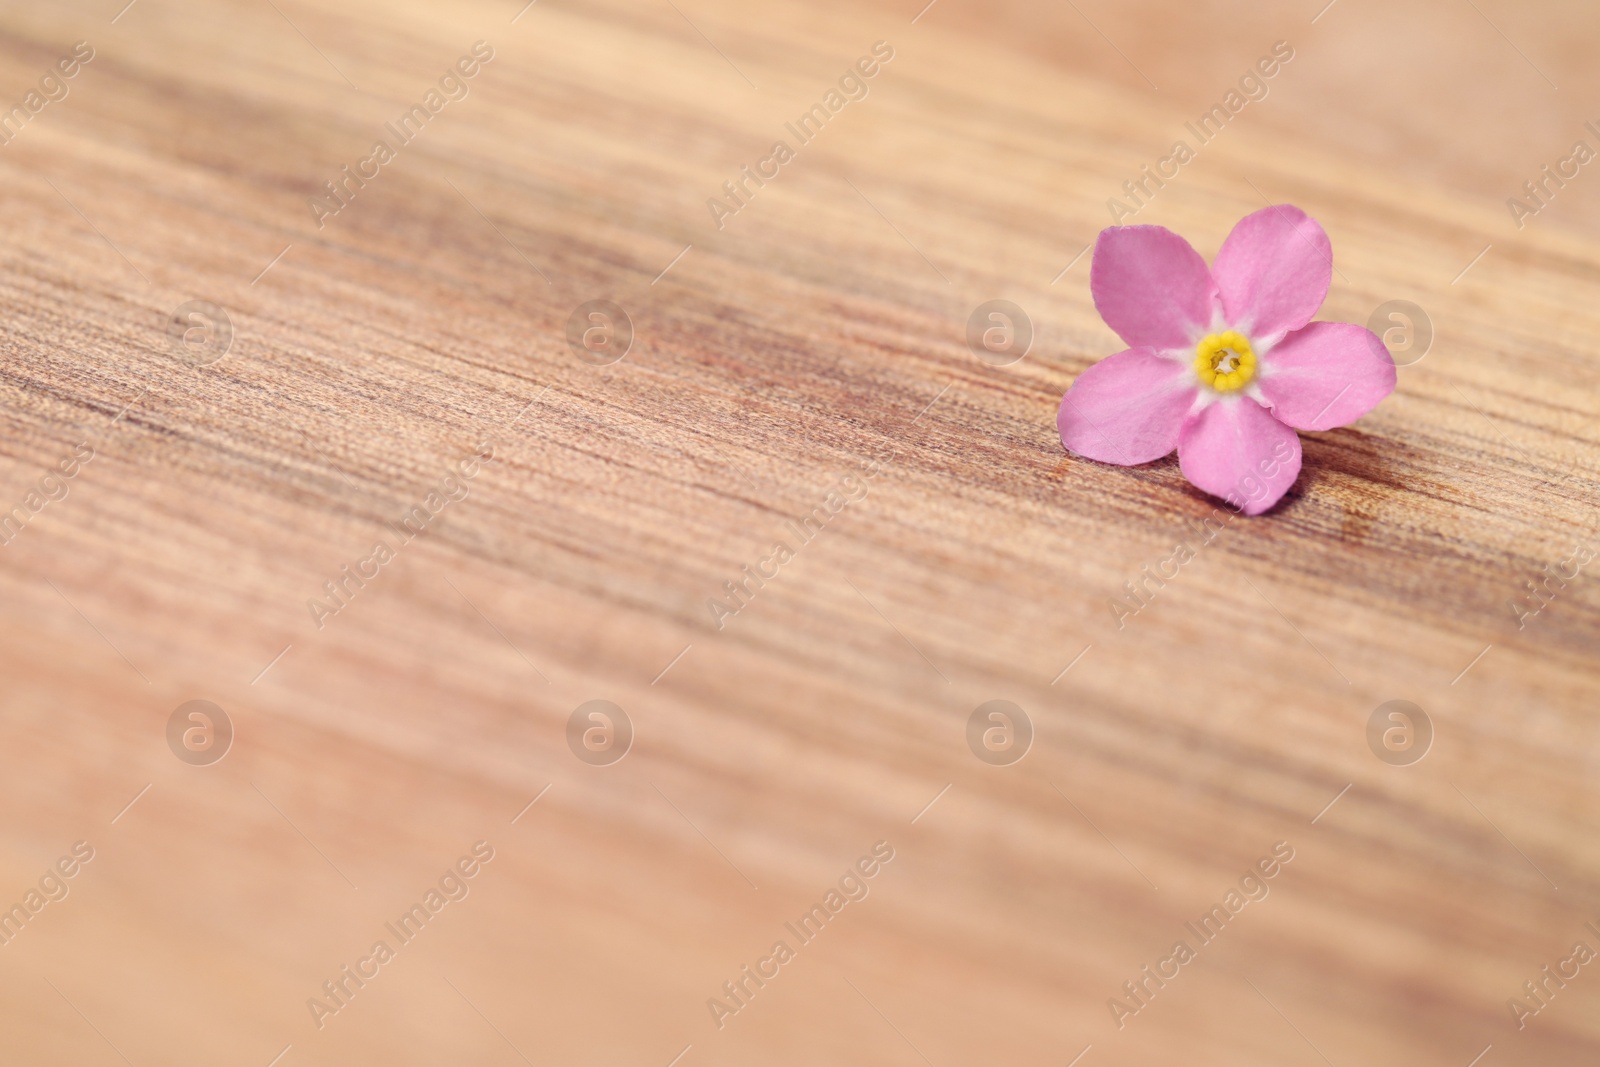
(820, 330)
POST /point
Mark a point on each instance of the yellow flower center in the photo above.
(1225, 361)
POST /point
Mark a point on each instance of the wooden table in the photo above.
(413, 351)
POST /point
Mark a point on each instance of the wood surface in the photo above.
(820, 331)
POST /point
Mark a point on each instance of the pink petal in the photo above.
(1128, 408)
(1235, 449)
(1151, 287)
(1274, 271)
(1328, 374)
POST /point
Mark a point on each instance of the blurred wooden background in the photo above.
(821, 328)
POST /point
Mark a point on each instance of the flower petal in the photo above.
(1128, 408)
(1235, 449)
(1151, 286)
(1274, 271)
(1328, 374)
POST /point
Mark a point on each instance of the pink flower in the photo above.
(1223, 364)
